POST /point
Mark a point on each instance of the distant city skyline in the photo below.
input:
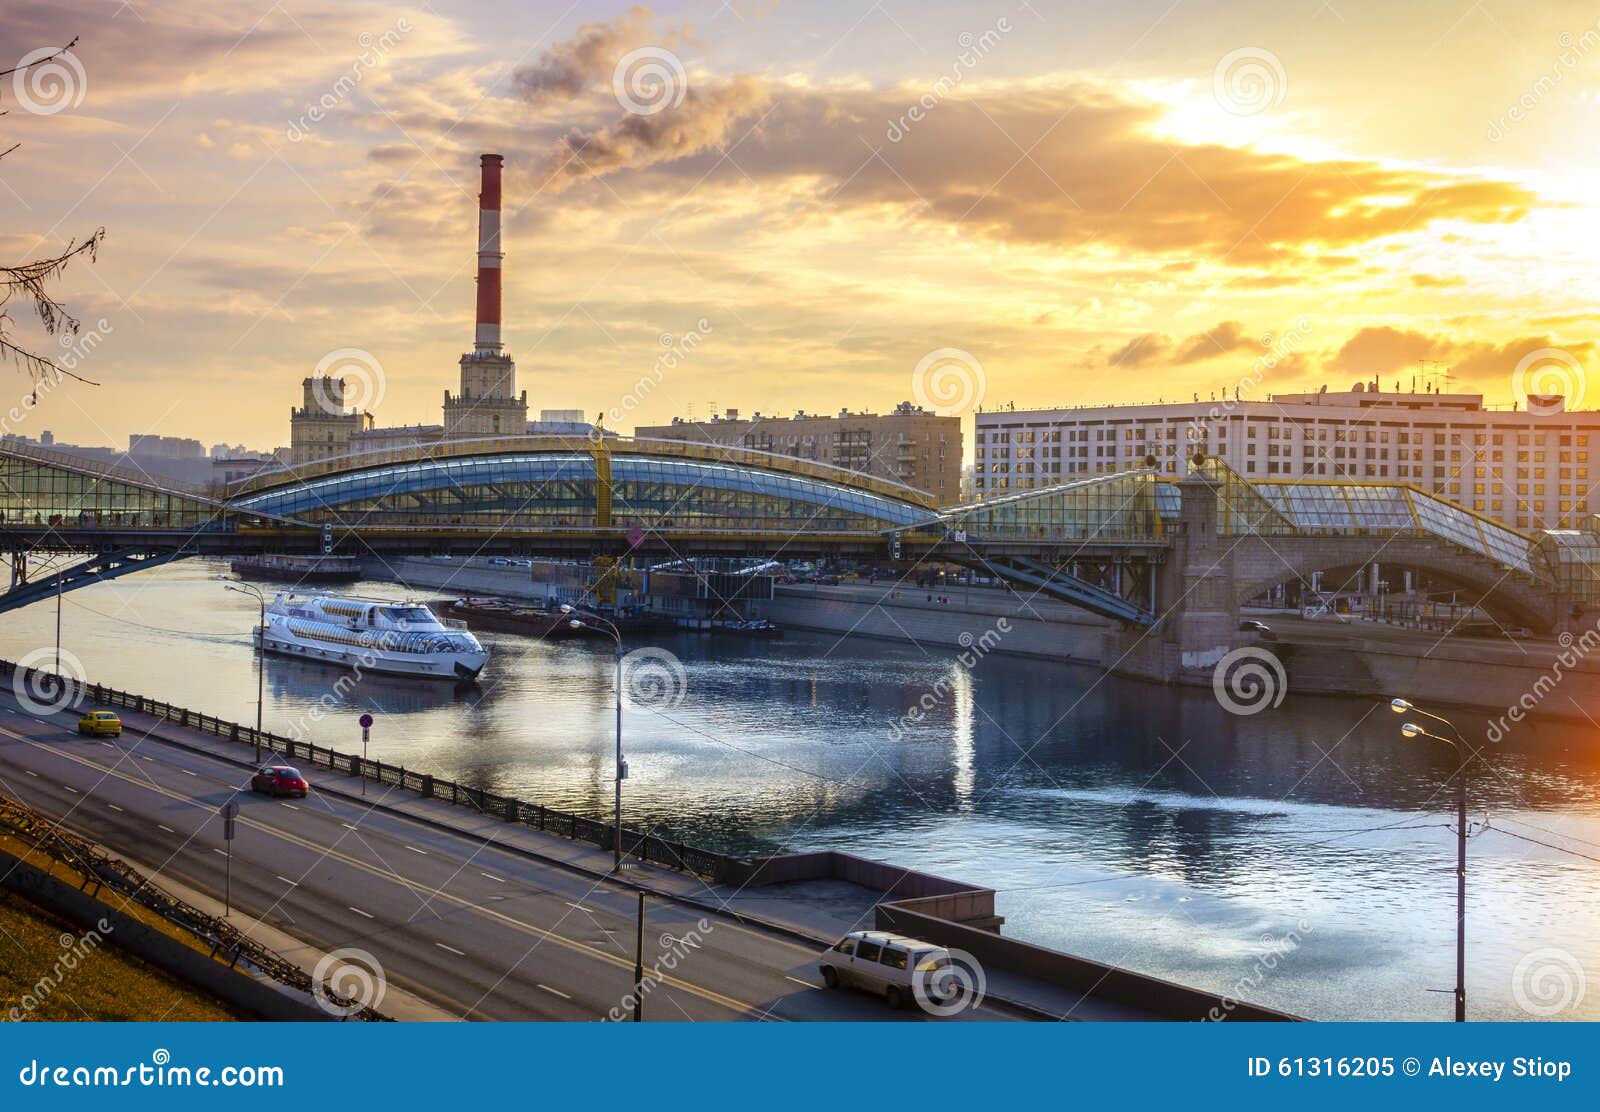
(1112, 208)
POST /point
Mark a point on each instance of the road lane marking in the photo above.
(186, 772)
(290, 883)
(168, 829)
(491, 876)
(593, 952)
(291, 806)
(358, 911)
(74, 791)
(113, 806)
(452, 949)
(580, 907)
(347, 826)
(215, 849)
(32, 773)
(554, 991)
(414, 849)
(798, 981)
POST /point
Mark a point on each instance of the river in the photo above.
(1302, 857)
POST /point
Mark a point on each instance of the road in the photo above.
(480, 932)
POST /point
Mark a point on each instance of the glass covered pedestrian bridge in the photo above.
(550, 483)
(41, 489)
(1142, 505)
(1350, 508)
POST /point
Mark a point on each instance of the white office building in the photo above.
(1528, 468)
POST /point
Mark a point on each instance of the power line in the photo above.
(1552, 833)
(1546, 845)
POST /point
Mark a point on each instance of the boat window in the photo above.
(420, 615)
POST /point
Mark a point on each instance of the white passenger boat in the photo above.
(373, 635)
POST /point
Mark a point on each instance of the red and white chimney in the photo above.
(487, 339)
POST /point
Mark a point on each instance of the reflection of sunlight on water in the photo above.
(964, 750)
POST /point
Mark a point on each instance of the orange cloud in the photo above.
(1062, 166)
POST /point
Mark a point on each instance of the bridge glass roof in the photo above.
(1573, 559)
(42, 492)
(558, 489)
(1120, 506)
(1388, 508)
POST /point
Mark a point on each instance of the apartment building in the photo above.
(1527, 467)
(909, 445)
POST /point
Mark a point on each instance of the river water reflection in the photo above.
(1300, 858)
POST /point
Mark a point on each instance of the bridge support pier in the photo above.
(1195, 597)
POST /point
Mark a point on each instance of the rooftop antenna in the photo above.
(1435, 374)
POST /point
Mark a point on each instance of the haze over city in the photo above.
(1105, 210)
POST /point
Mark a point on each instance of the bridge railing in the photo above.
(79, 694)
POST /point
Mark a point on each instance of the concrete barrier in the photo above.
(964, 903)
(261, 999)
(931, 920)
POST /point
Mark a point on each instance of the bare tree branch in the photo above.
(31, 280)
(41, 61)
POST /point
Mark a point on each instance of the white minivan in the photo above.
(890, 965)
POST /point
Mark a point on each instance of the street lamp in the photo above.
(596, 622)
(1412, 730)
(261, 650)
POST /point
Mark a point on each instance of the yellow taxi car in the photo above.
(100, 723)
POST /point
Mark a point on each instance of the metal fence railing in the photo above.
(635, 844)
(222, 938)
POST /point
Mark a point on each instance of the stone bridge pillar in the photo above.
(1200, 615)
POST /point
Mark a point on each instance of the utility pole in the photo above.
(366, 733)
(1459, 743)
(1461, 881)
(230, 811)
(638, 967)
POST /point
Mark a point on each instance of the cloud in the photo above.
(1382, 350)
(1093, 172)
(1151, 347)
(1227, 336)
(1140, 350)
(569, 68)
(221, 47)
(1473, 363)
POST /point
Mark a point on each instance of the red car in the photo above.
(279, 780)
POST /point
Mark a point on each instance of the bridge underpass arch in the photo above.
(1510, 597)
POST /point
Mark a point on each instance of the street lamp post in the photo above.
(261, 651)
(595, 622)
(1458, 743)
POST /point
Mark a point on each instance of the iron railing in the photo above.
(636, 844)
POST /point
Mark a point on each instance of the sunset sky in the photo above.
(1101, 203)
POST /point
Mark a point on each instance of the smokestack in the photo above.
(487, 339)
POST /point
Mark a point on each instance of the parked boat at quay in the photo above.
(506, 616)
(298, 569)
(375, 635)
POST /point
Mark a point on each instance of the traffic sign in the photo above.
(366, 721)
(230, 811)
